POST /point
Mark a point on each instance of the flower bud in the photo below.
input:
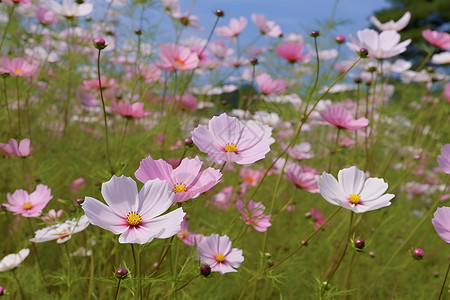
(80, 201)
(205, 270)
(253, 61)
(372, 69)
(360, 243)
(138, 32)
(219, 13)
(363, 52)
(314, 33)
(418, 253)
(121, 273)
(1, 290)
(99, 43)
(357, 80)
(188, 142)
(340, 39)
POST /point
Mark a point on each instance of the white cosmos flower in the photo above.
(441, 58)
(70, 9)
(61, 232)
(352, 190)
(391, 24)
(12, 261)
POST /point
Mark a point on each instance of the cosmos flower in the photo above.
(28, 205)
(226, 139)
(302, 178)
(253, 215)
(337, 116)
(12, 261)
(52, 215)
(61, 232)
(186, 180)
(291, 52)
(441, 223)
(444, 159)
(436, 38)
(268, 28)
(21, 149)
(216, 251)
(219, 50)
(176, 57)
(380, 46)
(352, 190)
(268, 86)
(234, 29)
(46, 16)
(131, 111)
(189, 238)
(19, 67)
(391, 24)
(135, 216)
(71, 9)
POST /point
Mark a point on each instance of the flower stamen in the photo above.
(27, 206)
(133, 219)
(220, 258)
(179, 188)
(230, 147)
(18, 71)
(354, 199)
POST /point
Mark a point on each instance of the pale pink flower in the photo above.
(19, 67)
(150, 73)
(391, 24)
(189, 238)
(268, 86)
(353, 191)
(268, 28)
(222, 199)
(12, 261)
(302, 178)
(337, 116)
(93, 84)
(380, 46)
(444, 159)
(292, 52)
(219, 50)
(61, 232)
(187, 20)
(135, 216)
(253, 215)
(441, 223)
(176, 57)
(186, 180)
(234, 29)
(52, 215)
(446, 92)
(21, 149)
(226, 139)
(46, 16)
(70, 9)
(77, 184)
(317, 216)
(436, 38)
(216, 251)
(250, 176)
(188, 101)
(300, 151)
(28, 205)
(130, 111)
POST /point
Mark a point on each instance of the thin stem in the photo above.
(7, 25)
(18, 284)
(316, 81)
(117, 290)
(443, 284)
(223, 166)
(303, 242)
(104, 113)
(6, 104)
(18, 105)
(33, 245)
(137, 267)
(336, 146)
(398, 279)
(186, 283)
(349, 274)
(69, 75)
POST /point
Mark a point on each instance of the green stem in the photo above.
(7, 25)
(185, 284)
(18, 284)
(137, 267)
(104, 113)
(18, 105)
(7, 105)
(443, 284)
(336, 146)
(117, 290)
(398, 279)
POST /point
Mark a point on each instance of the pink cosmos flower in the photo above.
(337, 116)
(70, 8)
(299, 151)
(226, 139)
(391, 24)
(234, 29)
(268, 28)
(353, 191)
(317, 216)
(436, 38)
(19, 67)
(216, 251)
(135, 216)
(21, 149)
(219, 50)
(77, 184)
(176, 57)
(52, 215)
(189, 238)
(92, 84)
(222, 199)
(186, 180)
(444, 159)
(268, 86)
(302, 178)
(130, 111)
(46, 16)
(250, 176)
(380, 46)
(441, 223)
(150, 73)
(28, 205)
(253, 215)
(292, 52)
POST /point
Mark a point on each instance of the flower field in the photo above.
(138, 164)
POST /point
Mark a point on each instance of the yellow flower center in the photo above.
(179, 61)
(19, 71)
(354, 198)
(179, 187)
(27, 205)
(220, 257)
(230, 147)
(134, 219)
(185, 233)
